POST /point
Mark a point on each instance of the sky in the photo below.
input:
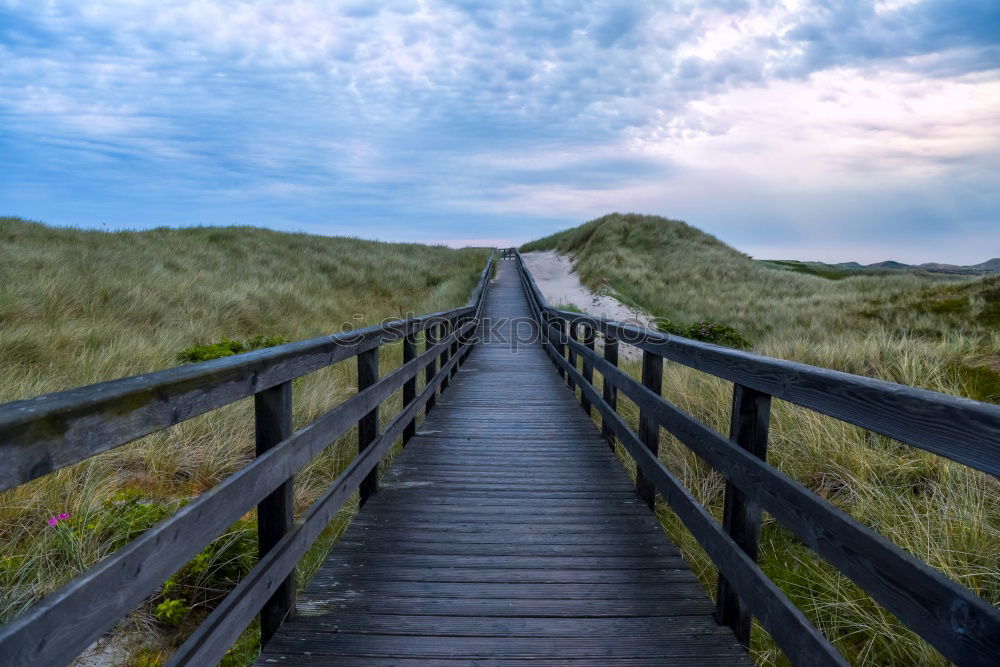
(832, 130)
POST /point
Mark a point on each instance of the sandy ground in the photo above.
(107, 651)
(561, 286)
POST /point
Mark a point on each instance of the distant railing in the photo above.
(41, 435)
(961, 625)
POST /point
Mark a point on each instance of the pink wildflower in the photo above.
(63, 516)
(53, 521)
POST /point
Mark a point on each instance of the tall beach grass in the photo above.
(78, 307)
(916, 329)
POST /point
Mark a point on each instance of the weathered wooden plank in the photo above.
(342, 660)
(448, 548)
(472, 524)
(509, 591)
(393, 572)
(433, 648)
(695, 604)
(677, 628)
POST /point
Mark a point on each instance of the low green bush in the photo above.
(708, 332)
(227, 347)
(200, 584)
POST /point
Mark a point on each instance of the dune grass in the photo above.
(78, 307)
(931, 331)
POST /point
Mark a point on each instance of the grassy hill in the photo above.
(78, 307)
(83, 306)
(930, 330)
(683, 276)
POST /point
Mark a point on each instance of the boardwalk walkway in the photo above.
(505, 532)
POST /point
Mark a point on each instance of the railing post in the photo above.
(368, 425)
(410, 386)
(430, 338)
(649, 430)
(560, 327)
(446, 354)
(609, 392)
(549, 321)
(473, 332)
(741, 516)
(588, 366)
(276, 513)
(571, 355)
(456, 324)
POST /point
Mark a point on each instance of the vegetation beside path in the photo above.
(927, 330)
(78, 307)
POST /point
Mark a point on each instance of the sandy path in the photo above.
(560, 286)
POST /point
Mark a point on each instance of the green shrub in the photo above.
(227, 348)
(172, 611)
(209, 576)
(201, 583)
(708, 332)
(720, 334)
(124, 517)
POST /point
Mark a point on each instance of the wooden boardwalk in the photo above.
(505, 532)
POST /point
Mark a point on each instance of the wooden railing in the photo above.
(44, 434)
(961, 625)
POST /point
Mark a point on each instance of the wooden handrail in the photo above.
(43, 434)
(959, 429)
(961, 625)
(62, 625)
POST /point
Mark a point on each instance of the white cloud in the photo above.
(551, 113)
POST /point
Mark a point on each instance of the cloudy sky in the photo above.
(811, 129)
